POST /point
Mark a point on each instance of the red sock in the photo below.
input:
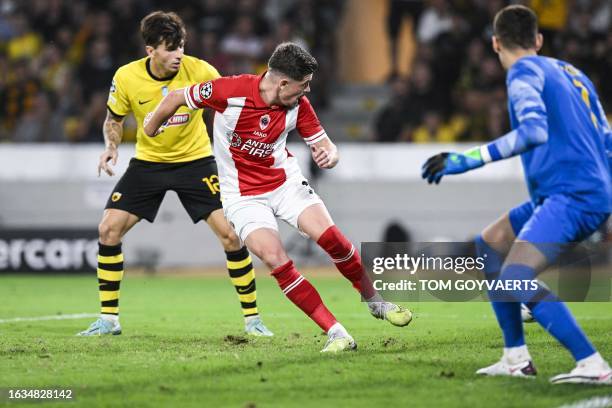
(347, 260)
(303, 295)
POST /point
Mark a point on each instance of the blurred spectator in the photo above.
(24, 43)
(436, 20)
(449, 52)
(19, 93)
(398, 10)
(242, 45)
(392, 120)
(211, 52)
(88, 129)
(48, 16)
(252, 9)
(97, 70)
(424, 90)
(316, 21)
(54, 70)
(41, 123)
(552, 19)
(470, 70)
(601, 16)
(433, 129)
(125, 43)
(215, 17)
(285, 32)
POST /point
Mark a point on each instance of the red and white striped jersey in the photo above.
(250, 136)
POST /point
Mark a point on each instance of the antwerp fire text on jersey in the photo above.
(250, 136)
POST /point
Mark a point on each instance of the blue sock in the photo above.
(552, 314)
(508, 313)
(557, 319)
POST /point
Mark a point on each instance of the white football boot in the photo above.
(524, 369)
(395, 314)
(338, 340)
(101, 327)
(254, 326)
(526, 315)
(516, 362)
(591, 370)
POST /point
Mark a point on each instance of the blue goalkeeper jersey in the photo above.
(560, 129)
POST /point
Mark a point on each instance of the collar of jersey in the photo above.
(148, 64)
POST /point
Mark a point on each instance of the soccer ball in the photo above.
(526, 314)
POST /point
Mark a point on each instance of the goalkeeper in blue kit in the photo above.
(562, 135)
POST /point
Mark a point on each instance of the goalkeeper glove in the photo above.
(449, 163)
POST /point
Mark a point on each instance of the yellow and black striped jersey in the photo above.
(135, 89)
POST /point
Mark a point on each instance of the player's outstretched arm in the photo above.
(325, 153)
(113, 132)
(153, 124)
(525, 93)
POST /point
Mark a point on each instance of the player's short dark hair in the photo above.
(293, 61)
(159, 26)
(516, 26)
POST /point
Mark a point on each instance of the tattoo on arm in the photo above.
(113, 129)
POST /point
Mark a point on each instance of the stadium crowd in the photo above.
(456, 87)
(57, 57)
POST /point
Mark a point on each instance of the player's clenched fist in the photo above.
(147, 129)
(325, 157)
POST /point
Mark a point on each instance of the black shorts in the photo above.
(142, 188)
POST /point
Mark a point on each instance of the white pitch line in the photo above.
(595, 402)
(53, 317)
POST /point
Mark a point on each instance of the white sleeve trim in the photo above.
(188, 99)
(484, 153)
(320, 135)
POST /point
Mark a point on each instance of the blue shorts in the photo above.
(555, 222)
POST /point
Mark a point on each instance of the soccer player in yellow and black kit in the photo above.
(179, 159)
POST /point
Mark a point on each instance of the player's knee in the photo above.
(273, 258)
(109, 233)
(230, 240)
(497, 237)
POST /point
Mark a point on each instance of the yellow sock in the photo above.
(110, 273)
(242, 275)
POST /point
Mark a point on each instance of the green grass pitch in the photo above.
(183, 345)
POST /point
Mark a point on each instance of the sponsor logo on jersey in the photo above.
(177, 120)
(115, 197)
(251, 146)
(164, 90)
(113, 87)
(258, 149)
(234, 139)
(206, 90)
(260, 134)
(264, 121)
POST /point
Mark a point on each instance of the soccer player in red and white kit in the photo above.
(261, 181)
